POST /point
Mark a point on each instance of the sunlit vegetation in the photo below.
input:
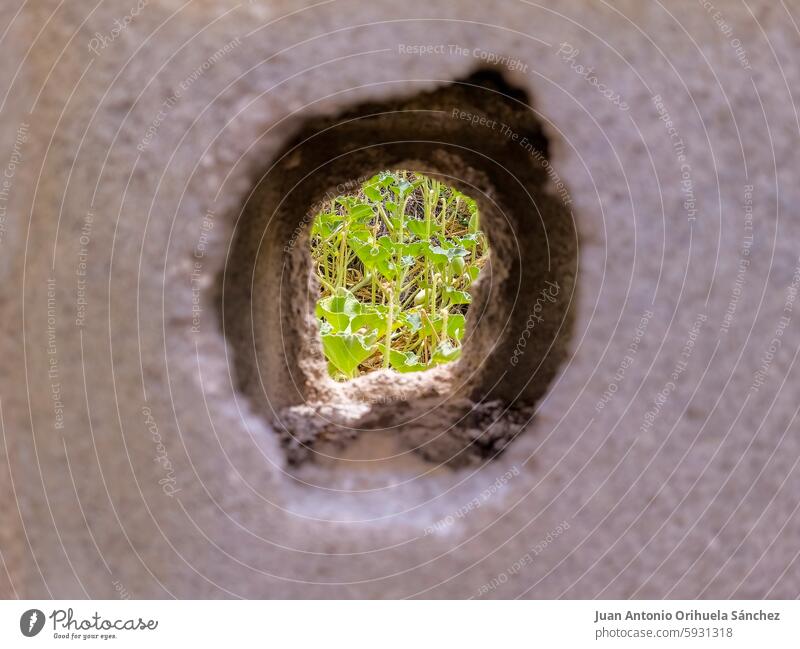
(394, 262)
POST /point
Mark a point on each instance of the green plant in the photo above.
(394, 261)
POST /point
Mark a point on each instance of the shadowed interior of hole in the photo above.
(521, 312)
(394, 258)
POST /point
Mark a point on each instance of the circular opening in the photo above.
(480, 138)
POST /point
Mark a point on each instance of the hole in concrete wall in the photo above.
(480, 136)
(394, 260)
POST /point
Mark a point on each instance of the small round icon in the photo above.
(31, 622)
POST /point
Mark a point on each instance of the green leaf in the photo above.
(456, 324)
(401, 188)
(372, 318)
(372, 254)
(326, 224)
(436, 255)
(412, 320)
(385, 178)
(456, 252)
(362, 212)
(468, 241)
(404, 361)
(414, 249)
(385, 263)
(472, 206)
(457, 297)
(371, 190)
(417, 228)
(444, 353)
(347, 351)
(339, 309)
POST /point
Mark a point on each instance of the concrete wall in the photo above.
(132, 463)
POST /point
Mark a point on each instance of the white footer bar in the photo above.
(401, 624)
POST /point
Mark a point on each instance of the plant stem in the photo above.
(342, 275)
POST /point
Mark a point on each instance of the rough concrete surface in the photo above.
(662, 460)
